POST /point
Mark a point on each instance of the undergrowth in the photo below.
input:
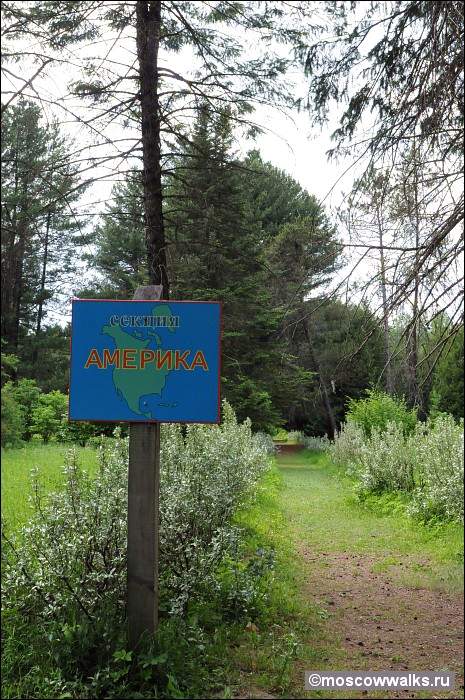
(64, 626)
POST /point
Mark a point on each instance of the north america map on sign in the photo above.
(133, 386)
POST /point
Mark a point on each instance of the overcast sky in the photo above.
(289, 142)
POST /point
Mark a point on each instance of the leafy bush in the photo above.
(295, 436)
(280, 435)
(439, 464)
(45, 423)
(378, 410)
(68, 558)
(264, 442)
(19, 399)
(80, 432)
(427, 464)
(243, 582)
(46, 419)
(45, 416)
(12, 418)
(57, 401)
(9, 364)
(206, 475)
(26, 393)
(84, 433)
(64, 577)
(345, 450)
(316, 442)
(386, 461)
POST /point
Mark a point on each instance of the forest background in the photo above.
(136, 150)
(319, 305)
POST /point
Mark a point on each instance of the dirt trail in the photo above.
(352, 569)
(383, 625)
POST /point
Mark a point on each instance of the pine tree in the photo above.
(41, 232)
(118, 244)
(275, 197)
(215, 243)
(23, 158)
(302, 257)
(393, 81)
(347, 341)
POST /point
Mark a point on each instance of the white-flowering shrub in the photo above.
(206, 475)
(70, 559)
(69, 563)
(295, 436)
(439, 467)
(316, 442)
(386, 461)
(427, 464)
(310, 442)
(345, 450)
(265, 442)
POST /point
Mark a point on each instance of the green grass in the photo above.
(322, 510)
(303, 499)
(291, 627)
(210, 654)
(306, 500)
(17, 464)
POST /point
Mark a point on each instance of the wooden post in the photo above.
(143, 518)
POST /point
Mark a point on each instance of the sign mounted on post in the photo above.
(145, 361)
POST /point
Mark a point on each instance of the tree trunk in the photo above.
(13, 236)
(148, 19)
(387, 353)
(9, 306)
(324, 390)
(17, 295)
(412, 339)
(14, 300)
(40, 310)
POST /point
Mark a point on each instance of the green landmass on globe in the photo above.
(137, 383)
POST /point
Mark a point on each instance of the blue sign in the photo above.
(145, 361)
